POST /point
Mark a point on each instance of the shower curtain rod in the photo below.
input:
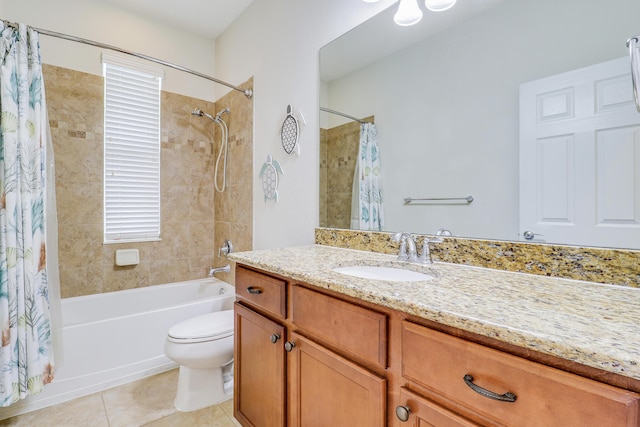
(338, 113)
(247, 92)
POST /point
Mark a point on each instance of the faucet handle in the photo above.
(402, 238)
(225, 249)
(425, 256)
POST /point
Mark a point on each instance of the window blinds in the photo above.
(131, 153)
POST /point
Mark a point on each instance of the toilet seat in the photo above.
(206, 327)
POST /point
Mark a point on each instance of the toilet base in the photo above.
(199, 388)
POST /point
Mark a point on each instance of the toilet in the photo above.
(203, 347)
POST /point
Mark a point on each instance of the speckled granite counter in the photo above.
(597, 325)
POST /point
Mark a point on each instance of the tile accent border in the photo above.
(600, 265)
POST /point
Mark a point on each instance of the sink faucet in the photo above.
(406, 239)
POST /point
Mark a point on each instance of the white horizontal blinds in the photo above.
(131, 152)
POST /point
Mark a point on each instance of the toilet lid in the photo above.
(206, 327)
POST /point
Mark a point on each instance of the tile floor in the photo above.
(147, 402)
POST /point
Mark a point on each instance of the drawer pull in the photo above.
(506, 397)
(402, 412)
(254, 291)
(274, 338)
(289, 346)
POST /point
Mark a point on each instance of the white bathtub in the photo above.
(114, 338)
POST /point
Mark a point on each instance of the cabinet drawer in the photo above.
(360, 332)
(544, 395)
(262, 291)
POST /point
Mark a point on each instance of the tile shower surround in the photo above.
(194, 223)
(338, 159)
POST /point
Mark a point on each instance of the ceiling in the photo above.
(208, 18)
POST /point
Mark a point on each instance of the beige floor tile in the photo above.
(141, 402)
(87, 411)
(227, 407)
(213, 416)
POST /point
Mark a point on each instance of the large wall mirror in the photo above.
(445, 97)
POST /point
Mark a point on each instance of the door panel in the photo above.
(580, 157)
(259, 394)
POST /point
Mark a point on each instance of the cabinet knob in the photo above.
(275, 338)
(289, 346)
(402, 412)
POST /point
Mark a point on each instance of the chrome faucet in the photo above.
(406, 239)
(225, 269)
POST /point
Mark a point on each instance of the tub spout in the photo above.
(225, 269)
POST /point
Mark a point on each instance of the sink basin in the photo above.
(383, 273)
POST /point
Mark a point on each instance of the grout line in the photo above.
(104, 407)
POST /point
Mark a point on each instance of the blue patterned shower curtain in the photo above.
(26, 351)
(366, 209)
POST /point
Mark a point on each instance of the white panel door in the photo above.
(580, 158)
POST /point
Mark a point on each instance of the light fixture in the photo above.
(439, 5)
(408, 13)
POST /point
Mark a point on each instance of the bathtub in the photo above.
(117, 337)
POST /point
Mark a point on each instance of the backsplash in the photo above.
(601, 265)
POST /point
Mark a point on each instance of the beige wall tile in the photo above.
(188, 199)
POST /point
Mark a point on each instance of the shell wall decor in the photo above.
(269, 176)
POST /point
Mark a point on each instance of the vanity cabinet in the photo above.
(306, 368)
(259, 377)
(506, 389)
(330, 390)
(310, 357)
(419, 411)
(260, 361)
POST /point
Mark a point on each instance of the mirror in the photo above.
(444, 95)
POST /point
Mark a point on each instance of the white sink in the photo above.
(383, 273)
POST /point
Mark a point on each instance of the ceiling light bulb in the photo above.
(439, 5)
(408, 13)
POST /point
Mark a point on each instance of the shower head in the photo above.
(199, 112)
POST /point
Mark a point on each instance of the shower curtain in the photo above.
(26, 351)
(366, 206)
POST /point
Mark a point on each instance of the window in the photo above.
(131, 150)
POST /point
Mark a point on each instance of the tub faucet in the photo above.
(406, 240)
(225, 269)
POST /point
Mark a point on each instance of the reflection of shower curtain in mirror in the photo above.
(366, 203)
(26, 353)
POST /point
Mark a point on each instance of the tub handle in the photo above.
(254, 291)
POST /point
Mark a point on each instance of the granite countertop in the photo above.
(597, 325)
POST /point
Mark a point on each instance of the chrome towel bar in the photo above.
(409, 200)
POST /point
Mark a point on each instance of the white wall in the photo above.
(277, 41)
(100, 22)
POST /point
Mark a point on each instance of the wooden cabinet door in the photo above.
(417, 411)
(260, 382)
(329, 390)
